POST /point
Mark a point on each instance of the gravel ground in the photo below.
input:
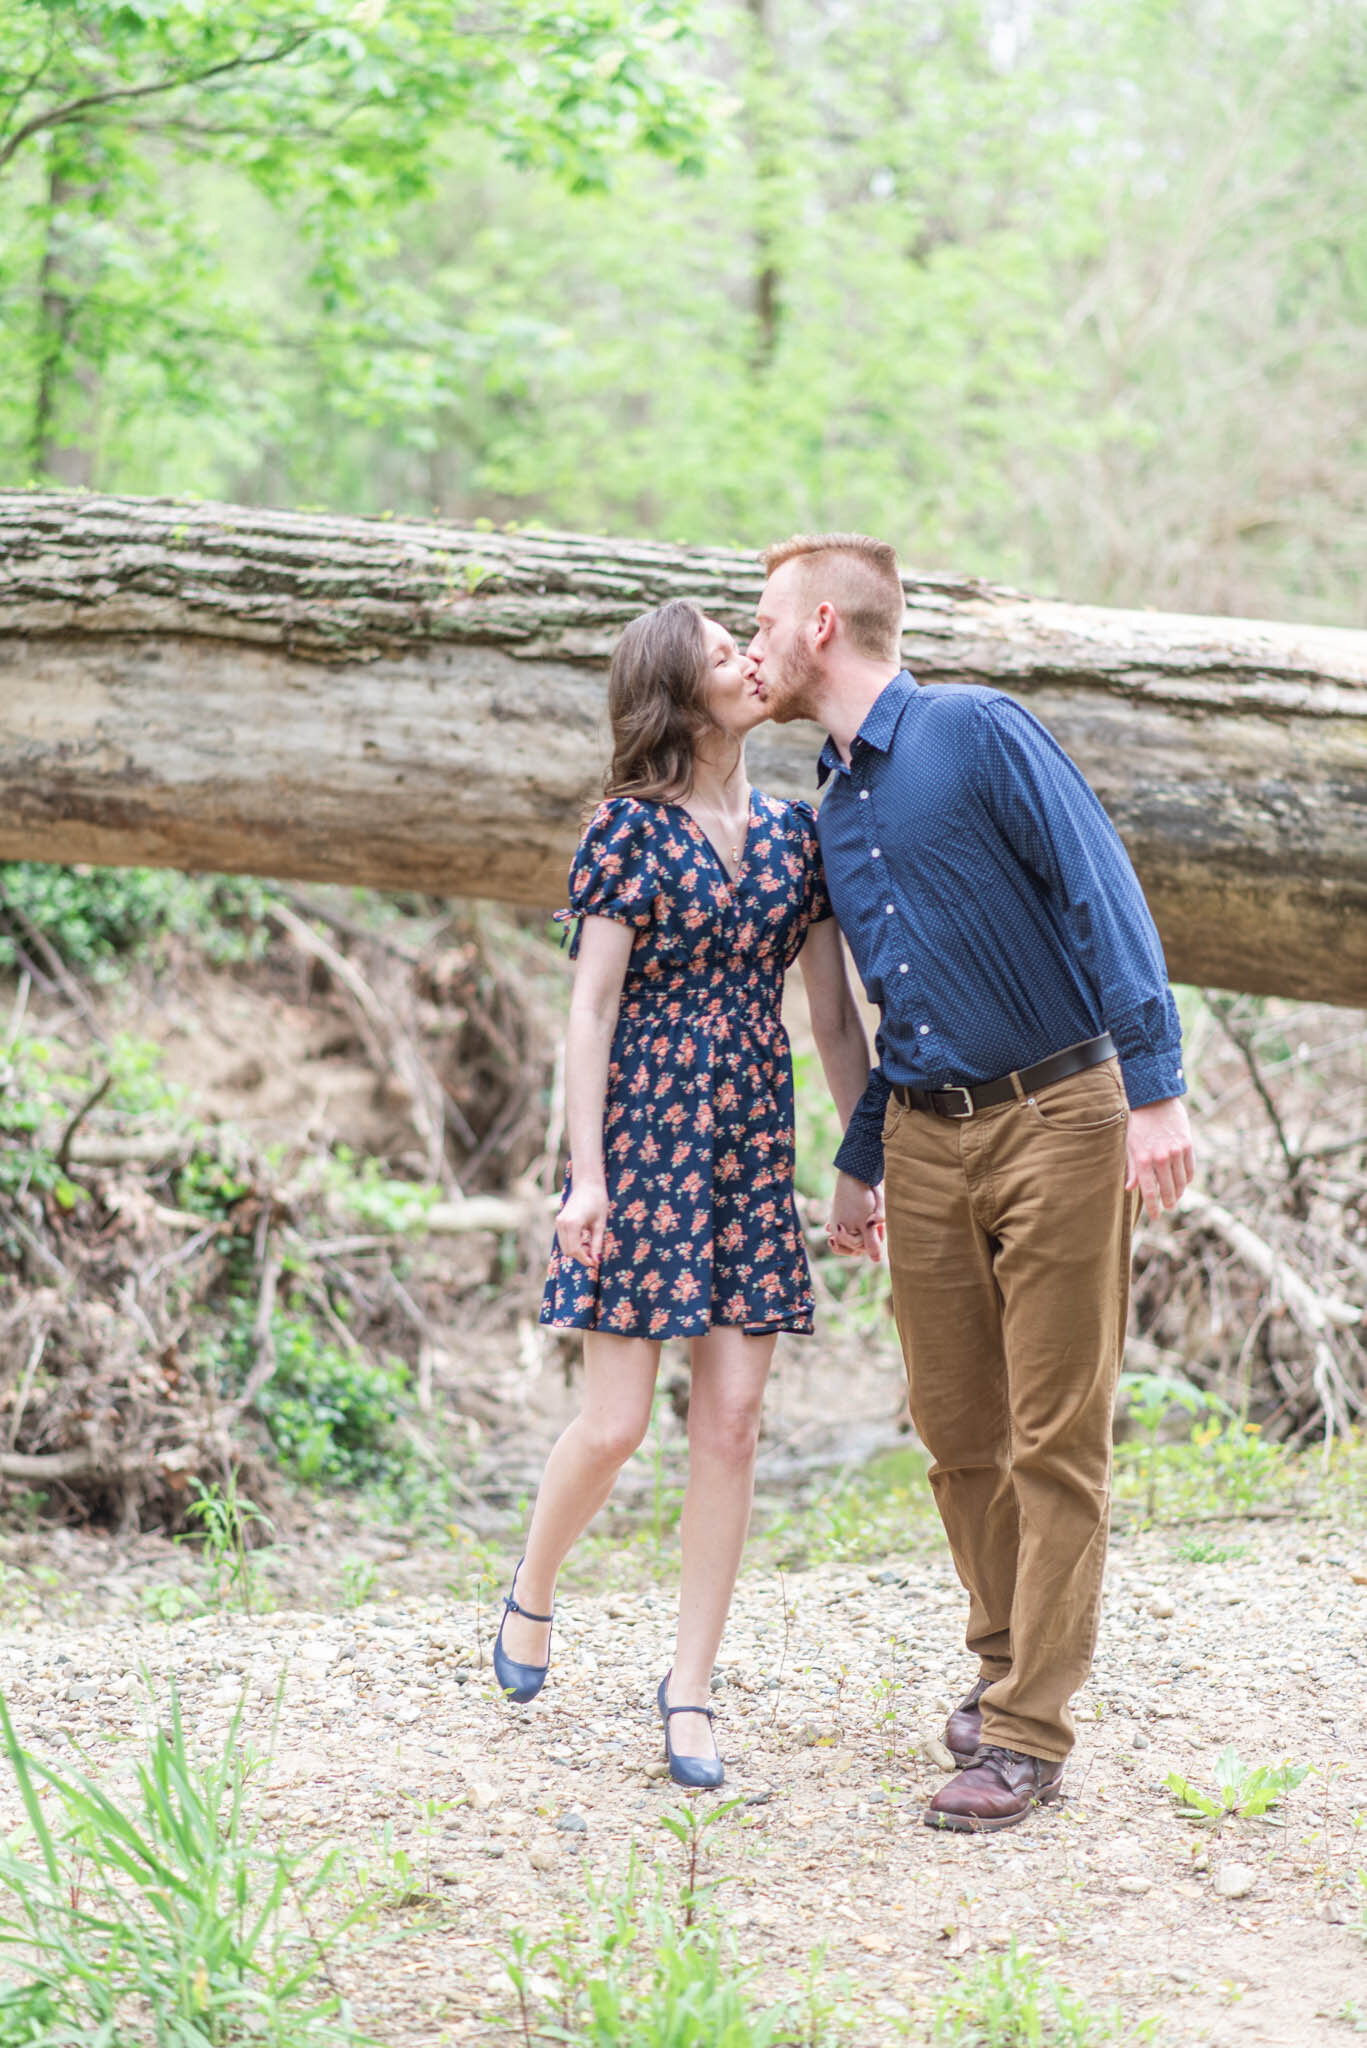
(829, 1722)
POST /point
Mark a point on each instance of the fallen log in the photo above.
(413, 704)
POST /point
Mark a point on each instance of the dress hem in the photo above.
(806, 1328)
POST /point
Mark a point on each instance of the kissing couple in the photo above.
(1025, 1100)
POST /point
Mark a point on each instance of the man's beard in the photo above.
(796, 691)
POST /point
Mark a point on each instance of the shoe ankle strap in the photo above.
(525, 1612)
(709, 1711)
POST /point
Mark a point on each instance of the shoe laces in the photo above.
(1003, 1761)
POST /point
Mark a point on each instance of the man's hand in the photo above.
(855, 1227)
(582, 1221)
(1159, 1158)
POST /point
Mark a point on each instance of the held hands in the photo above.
(1159, 1157)
(582, 1221)
(855, 1227)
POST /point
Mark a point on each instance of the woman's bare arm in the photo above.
(836, 1023)
(604, 950)
(856, 1220)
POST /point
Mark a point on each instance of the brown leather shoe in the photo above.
(996, 1791)
(964, 1728)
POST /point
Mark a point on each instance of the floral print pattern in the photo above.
(698, 1121)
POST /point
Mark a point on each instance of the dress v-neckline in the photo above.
(709, 843)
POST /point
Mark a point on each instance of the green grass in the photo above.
(880, 1511)
(163, 1919)
(654, 1964)
(1007, 2001)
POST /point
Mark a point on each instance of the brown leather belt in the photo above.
(957, 1101)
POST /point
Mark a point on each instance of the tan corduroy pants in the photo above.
(1009, 1248)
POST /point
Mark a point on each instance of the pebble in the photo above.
(543, 1854)
(1161, 1608)
(935, 1752)
(572, 1824)
(1235, 1880)
(1139, 1740)
(1134, 1887)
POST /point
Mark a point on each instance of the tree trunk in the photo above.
(413, 705)
(62, 460)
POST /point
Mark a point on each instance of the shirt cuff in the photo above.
(861, 1156)
(1153, 1076)
(861, 1149)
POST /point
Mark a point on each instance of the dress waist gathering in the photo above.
(687, 1003)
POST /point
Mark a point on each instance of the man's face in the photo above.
(781, 657)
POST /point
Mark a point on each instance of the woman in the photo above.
(692, 894)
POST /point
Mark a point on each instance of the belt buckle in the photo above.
(956, 1088)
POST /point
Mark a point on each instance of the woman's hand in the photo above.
(581, 1223)
(856, 1226)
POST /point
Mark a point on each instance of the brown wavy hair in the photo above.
(657, 701)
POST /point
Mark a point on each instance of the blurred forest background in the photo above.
(1069, 293)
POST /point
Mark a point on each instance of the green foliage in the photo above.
(42, 1084)
(958, 275)
(358, 1581)
(95, 917)
(640, 1970)
(363, 1189)
(1204, 1550)
(164, 1919)
(207, 1185)
(148, 153)
(332, 1413)
(1149, 1398)
(169, 1602)
(1008, 2002)
(223, 1519)
(1242, 1791)
(1225, 1464)
(875, 1513)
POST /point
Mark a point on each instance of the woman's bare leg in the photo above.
(729, 1372)
(619, 1383)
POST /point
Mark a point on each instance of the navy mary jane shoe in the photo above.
(518, 1682)
(697, 1773)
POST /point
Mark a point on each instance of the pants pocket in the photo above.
(1091, 1101)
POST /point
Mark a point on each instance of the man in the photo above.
(1027, 1086)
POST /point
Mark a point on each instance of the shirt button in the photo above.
(902, 967)
(878, 853)
(863, 796)
(924, 1028)
(890, 908)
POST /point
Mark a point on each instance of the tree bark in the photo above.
(413, 705)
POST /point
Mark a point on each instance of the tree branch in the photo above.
(57, 117)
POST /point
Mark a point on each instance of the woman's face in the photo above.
(732, 698)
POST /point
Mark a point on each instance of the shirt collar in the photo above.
(880, 723)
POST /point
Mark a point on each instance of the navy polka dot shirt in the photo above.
(991, 909)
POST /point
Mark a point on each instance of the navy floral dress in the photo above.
(698, 1122)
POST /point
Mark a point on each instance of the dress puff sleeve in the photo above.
(614, 873)
(816, 903)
